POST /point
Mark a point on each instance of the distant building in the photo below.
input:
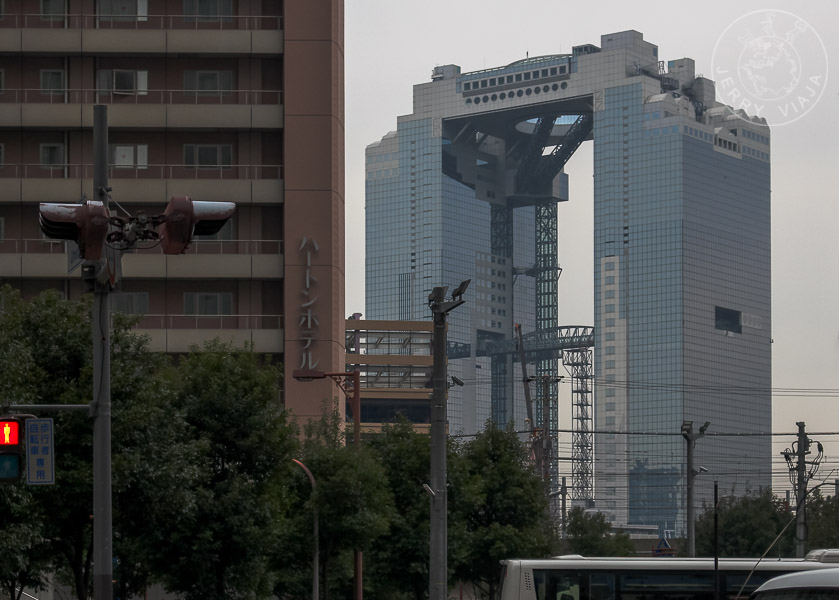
(231, 101)
(467, 187)
(395, 361)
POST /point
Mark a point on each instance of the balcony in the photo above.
(233, 259)
(146, 184)
(147, 34)
(176, 333)
(154, 109)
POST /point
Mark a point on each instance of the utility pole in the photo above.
(438, 565)
(564, 493)
(690, 438)
(101, 407)
(799, 476)
(801, 509)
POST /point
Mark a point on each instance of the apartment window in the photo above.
(52, 155)
(130, 82)
(129, 156)
(124, 81)
(130, 303)
(727, 319)
(208, 156)
(209, 10)
(225, 234)
(123, 10)
(52, 81)
(204, 303)
(52, 10)
(205, 83)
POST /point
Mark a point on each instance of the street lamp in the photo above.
(342, 380)
(315, 565)
(438, 568)
(690, 438)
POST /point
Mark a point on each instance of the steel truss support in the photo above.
(579, 364)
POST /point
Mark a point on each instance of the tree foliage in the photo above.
(206, 498)
(220, 544)
(748, 526)
(354, 508)
(399, 565)
(498, 507)
(822, 521)
(590, 534)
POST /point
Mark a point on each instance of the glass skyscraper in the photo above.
(467, 187)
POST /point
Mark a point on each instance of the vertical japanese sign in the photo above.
(40, 463)
(308, 321)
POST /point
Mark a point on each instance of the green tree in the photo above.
(497, 506)
(220, 547)
(52, 364)
(354, 510)
(822, 521)
(590, 534)
(24, 553)
(748, 525)
(400, 566)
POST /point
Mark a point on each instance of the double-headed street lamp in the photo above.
(438, 567)
(690, 438)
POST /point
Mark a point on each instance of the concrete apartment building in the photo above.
(219, 100)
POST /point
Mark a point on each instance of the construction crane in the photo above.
(539, 436)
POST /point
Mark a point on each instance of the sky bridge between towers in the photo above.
(512, 159)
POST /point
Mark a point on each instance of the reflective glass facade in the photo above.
(682, 232)
(681, 246)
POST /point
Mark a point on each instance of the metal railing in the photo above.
(152, 171)
(153, 321)
(202, 247)
(141, 96)
(142, 22)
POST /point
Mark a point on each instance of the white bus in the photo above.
(578, 578)
(809, 585)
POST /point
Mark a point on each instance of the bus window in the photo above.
(556, 585)
(667, 586)
(601, 586)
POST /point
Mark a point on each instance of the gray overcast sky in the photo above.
(391, 45)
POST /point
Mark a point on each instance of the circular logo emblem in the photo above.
(770, 64)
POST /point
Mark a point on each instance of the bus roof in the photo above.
(668, 563)
(825, 578)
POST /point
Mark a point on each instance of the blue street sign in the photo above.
(40, 452)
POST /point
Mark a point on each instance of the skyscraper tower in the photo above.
(467, 187)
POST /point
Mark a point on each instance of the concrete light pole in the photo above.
(438, 566)
(690, 438)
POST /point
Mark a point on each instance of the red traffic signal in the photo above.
(184, 218)
(11, 449)
(86, 224)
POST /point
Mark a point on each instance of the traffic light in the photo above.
(86, 224)
(184, 218)
(11, 449)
